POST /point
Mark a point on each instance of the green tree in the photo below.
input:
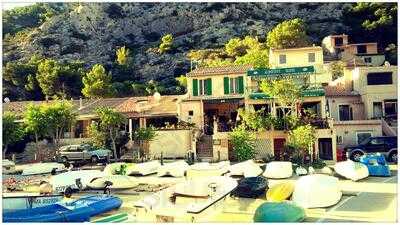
(336, 69)
(12, 131)
(35, 122)
(391, 54)
(48, 77)
(288, 34)
(97, 83)
(153, 87)
(256, 57)
(110, 121)
(243, 143)
(59, 118)
(166, 43)
(97, 136)
(301, 140)
(122, 55)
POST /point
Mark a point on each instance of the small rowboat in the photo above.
(273, 212)
(43, 168)
(278, 170)
(280, 192)
(116, 218)
(247, 169)
(205, 169)
(18, 201)
(113, 182)
(175, 169)
(351, 170)
(143, 169)
(78, 179)
(79, 210)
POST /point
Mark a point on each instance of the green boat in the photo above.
(279, 212)
(116, 218)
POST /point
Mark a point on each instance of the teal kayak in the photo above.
(279, 212)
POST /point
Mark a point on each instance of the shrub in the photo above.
(243, 143)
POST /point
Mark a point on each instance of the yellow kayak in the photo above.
(280, 192)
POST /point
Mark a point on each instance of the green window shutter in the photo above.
(241, 85)
(208, 87)
(226, 85)
(195, 87)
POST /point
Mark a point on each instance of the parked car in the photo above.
(82, 152)
(386, 145)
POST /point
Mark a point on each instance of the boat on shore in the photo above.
(205, 169)
(43, 168)
(79, 210)
(76, 180)
(19, 201)
(113, 182)
(187, 199)
(8, 167)
(351, 170)
(175, 169)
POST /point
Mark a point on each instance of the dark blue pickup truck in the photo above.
(385, 145)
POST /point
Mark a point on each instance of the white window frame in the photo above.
(309, 54)
(202, 87)
(350, 112)
(284, 57)
(363, 132)
(233, 85)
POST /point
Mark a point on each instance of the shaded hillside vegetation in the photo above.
(87, 34)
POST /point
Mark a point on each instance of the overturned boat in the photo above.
(247, 169)
(351, 170)
(175, 169)
(113, 182)
(376, 164)
(44, 168)
(76, 180)
(317, 190)
(205, 169)
(143, 169)
(278, 170)
(280, 192)
(275, 212)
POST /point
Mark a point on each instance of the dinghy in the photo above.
(376, 164)
(76, 180)
(43, 168)
(278, 170)
(251, 187)
(189, 198)
(116, 218)
(280, 192)
(275, 212)
(175, 169)
(143, 169)
(317, 190)
(205, 169)
(247, 169)
(79, 210)
(8, 166)
(18, 201)
(351, 170)
(113, 182)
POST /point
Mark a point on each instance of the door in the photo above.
(325, 148)
(375, 145)
(204, 147)
(279, 146)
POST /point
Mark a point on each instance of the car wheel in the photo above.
(355, 156)
(94, 159)
(393, 157)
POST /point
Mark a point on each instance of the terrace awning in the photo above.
(315, 92)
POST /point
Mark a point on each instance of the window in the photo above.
(282, 59)
(362, 136)
(390, 107)
(377, 141)
(377, 109)
(361, 49)
(202, 87)
(311, 57)
(190, 112)
(368, 60)
(233, 85)
(379, 78)
(345, 113)
(338, 41)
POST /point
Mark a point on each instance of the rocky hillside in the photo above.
(92, 32)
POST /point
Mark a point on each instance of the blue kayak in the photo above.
(79, 210)
(377, 165)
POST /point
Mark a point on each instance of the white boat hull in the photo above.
(43, 168)
(247, 169)
(118, 182)
(18, 201)
(175, 169)
(351, 170)
(143, 168)
(278, 170)
(69, 179)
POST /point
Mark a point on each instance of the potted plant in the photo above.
(142, 138)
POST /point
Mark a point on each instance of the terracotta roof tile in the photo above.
(221, 70)
(340, 87)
